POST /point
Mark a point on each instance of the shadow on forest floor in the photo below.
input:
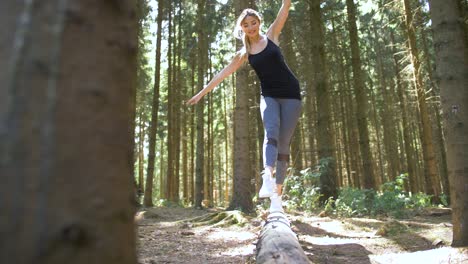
(165, 235)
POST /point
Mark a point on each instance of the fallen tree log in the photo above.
(278, 243)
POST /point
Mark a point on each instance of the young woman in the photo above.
(280, 103)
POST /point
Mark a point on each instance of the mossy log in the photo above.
(278, 243)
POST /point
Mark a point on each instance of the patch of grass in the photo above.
(392, 228)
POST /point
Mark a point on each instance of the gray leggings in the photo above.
(280, 117)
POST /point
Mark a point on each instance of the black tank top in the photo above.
(276, 78)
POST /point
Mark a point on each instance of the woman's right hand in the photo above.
(194, 99)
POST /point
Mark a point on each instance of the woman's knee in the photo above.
(271, 141)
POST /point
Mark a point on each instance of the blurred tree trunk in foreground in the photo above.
(67, 88)
(452, 76)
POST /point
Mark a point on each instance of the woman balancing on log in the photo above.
(280, 103)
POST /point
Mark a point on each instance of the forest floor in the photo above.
(185, 235)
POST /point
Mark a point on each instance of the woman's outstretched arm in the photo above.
(228, 70)
(275, 29)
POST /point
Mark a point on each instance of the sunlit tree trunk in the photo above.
(200, 120)
(451, 50)
(287, 40)
(208, 172)
(340, 75)
(309, 104)
(171, 94)
(148, 198)
(325, 141)
(226, 148)
(242, 196)
(191, 184)
(409, 151)
(162, 163)
(361, 99)
(66, 127)
(177, 102)
(431, 175)
(141, 139)
(388, 119)
(438, 137)
(374, 121)
(185, 156)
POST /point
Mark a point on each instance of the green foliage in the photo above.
(303, 190)
(329, 205)
(444, 199)
(303, 193)
(420, 200)
(352, 202)
(391, 200)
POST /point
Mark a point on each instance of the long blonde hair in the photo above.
(239, 34)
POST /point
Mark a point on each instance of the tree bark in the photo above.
(452, 71)
(361, 99)
(193, 129)
(242, 196)
(387, 113)
(325, 141)
(439, 136)
(200, 152)
(287, 40)
(277, 243)
(431, 175)
(66, 125)
(409, 151)
(309, 102)
(170, 145)
(345, 126)
(141, 161)
(177, 103)
(148, 198)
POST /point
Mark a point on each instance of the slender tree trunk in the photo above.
(287, 40)
(141, 139)
(325, 140)
(226, 149)
(361, 99)
(162, 179)
(310, 101)
(452, 70)
(428, 148)
(66, 127)
(439, 136)
(375, 122)
(409, 151)
(170, 145)
(209, 147)
(177, 103)
(193, 131)
(148, 198)
(242, 196)
(200, 152)
(388, 114)
(185, 161)
(345, 157)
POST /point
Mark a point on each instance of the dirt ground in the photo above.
(172, 235)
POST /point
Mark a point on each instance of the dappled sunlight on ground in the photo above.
(227, 235)
(172, 235)
(434, 256)
(240, 251)
(327, 240)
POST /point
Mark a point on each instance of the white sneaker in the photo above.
(276, 204)
(268, 185)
